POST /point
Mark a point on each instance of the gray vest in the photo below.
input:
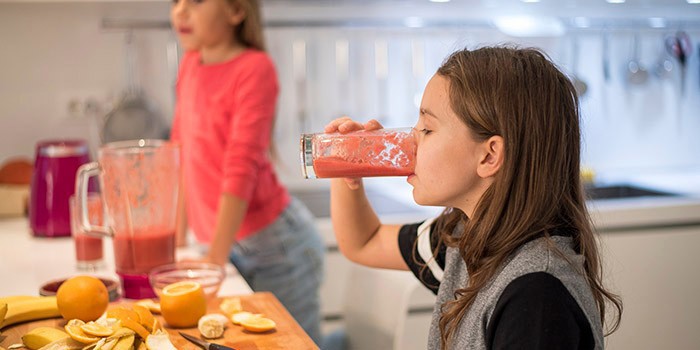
(532, 257)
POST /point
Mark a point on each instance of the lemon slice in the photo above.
(239, 317)
(151, 305)
(75, 331)
(258, 324)
(231, 306)
(95, 329)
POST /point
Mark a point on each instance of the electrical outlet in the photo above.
(82, 105)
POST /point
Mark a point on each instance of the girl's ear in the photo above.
(492, 157)
(236, 14)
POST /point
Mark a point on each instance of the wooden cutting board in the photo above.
(288, 335)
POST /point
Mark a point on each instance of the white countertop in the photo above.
(27, 262)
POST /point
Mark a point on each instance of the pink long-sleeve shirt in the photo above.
(223, 121)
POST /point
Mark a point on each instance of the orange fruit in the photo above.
(183, 303)
(231, 306)
(128, 318)
(258, 324)
(150, 305)
(82, 297)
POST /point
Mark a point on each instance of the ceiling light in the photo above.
(414, 22)
(693, 1)
(657, 22)
(616, 1)
(582, 22)
(529, 26)
(439, 0)
(531, 1)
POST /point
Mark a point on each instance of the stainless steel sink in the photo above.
(318, 201)
(622, 191)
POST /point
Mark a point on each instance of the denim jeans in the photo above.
(286, 258)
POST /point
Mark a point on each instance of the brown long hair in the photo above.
(521, 96)
(250, 31)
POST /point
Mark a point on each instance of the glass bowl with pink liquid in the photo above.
(209, 276)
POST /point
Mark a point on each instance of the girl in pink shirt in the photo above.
(226, 95)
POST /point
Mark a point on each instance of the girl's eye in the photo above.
(425, 131)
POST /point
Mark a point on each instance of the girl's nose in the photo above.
(179, 8)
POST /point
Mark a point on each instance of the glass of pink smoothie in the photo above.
(382, 152)
(88, 246)
(140, 184)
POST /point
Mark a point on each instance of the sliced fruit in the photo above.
(258, 324)
(159, 341)
(239, 317)
(136, 327)
(96, 329)
(212, 325)
(151, 305)
(122, 313)
(231, 306)
(145, 316)
(183, 303)
(75, 331)
(124, 343)
(42, 336)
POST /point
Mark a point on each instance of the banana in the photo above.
(31, 309)
(3, 311)
(14, 298)
(42, 336)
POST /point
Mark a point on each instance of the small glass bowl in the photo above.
(209, 276)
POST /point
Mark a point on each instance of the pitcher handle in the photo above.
(85, 172)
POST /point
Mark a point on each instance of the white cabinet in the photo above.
(657, 273)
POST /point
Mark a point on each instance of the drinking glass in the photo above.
(88, 246)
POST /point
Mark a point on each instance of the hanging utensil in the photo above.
(579, 85)
(606, 55)
(680, 47)
(664, 66)
(636, 73)
(134, 117)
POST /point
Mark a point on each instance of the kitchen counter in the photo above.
(27, 262)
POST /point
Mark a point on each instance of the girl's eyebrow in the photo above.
(425, 111)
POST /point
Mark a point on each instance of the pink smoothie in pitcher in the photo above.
(146, 249)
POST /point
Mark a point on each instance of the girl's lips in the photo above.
(184, 30)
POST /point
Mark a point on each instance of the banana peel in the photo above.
(42, 336)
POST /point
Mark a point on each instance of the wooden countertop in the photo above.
(287, 335)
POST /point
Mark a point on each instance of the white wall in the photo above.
(52, 52)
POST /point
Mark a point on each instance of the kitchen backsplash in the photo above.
(58, 53)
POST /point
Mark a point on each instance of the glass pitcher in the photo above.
(140, 183)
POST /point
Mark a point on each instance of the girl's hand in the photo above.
(345, 125)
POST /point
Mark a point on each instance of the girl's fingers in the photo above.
(373, 125)
(353, 183)
(333, 125)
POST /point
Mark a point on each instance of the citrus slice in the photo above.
(258, 324)
(231, 306)
(145, 317)
(136, 327)
(183, 303)
(239, 317)
(74, 329)
(96, 329)
(151, 305)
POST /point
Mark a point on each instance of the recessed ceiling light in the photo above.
(529, 26)
(693, 1)
(530, 0)
(657, 22)
(616, 1)
(582, 22)
(439, 0)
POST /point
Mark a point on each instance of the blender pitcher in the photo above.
(140, 183)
